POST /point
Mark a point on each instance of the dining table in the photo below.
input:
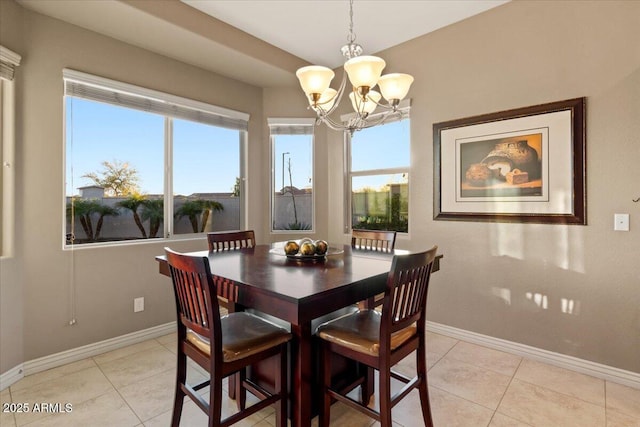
(297, 290)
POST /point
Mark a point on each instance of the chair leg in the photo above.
(231, 308)
(367, 389)
(215, 401)
(232, 386)
(385, 396)
(181, 378)
(241, 393)
(325, 374)
(423, 389)
(282, 388)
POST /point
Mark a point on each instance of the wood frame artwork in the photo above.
(525, 165)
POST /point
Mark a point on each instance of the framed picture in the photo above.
(523, 165)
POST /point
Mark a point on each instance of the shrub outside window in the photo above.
(378, 175)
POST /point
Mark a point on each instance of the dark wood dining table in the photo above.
(297, 292)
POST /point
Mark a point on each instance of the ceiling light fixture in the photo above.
(364, 74)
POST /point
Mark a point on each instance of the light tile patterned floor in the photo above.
(470, 386)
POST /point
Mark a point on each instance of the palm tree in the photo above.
(153, 211)
(84, 210)
(102, 211)
(132, 203)
(208, 206)
(193, 209)
(81, 209)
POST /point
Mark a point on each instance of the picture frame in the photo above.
(526, 165)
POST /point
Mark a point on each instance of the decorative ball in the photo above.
(321, 247)
(291, 248)
(308, 248)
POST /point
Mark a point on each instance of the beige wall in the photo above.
(520, 54)
(11, 281)
(106, 279)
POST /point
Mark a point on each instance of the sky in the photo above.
(206, 158)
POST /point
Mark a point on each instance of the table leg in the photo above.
(302, 373)
(369, 386)
(234, 382)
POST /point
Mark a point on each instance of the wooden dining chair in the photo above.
(228, 241)
(382, 339)
(231, 240)
(373, 240)
(222, 346)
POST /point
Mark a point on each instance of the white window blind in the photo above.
(8, 62)
(290, 126)
(99, 89)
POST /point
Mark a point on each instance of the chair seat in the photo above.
(360, 331)
(243, 334)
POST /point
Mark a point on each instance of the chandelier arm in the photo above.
(338, 97)
(332, 124)
(379, 120)
(390, 107)
(351, 125)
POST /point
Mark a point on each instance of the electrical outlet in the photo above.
(138, 304)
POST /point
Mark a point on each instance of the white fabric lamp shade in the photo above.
(314, 79)
(367, 106)
(326, 101)
(364, 71)
(395, 85)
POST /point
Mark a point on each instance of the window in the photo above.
(135, 157)
(292, 179)
(378, 177)
(8, 61)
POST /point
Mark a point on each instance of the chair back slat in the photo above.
(405, 298)
(231, 240)
(195, 292)
(373, 240)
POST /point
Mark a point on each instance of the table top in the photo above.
(299, 291)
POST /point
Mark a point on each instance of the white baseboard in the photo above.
(620, 376)
(79, 353)
(11, 376)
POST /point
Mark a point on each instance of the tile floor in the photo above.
(470, 386)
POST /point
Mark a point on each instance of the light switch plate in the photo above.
(621, 222)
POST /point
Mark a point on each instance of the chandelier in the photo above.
(364, 72)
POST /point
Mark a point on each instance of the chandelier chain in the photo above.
(352, 37)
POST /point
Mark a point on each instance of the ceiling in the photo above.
(261, 42)
(316, 29)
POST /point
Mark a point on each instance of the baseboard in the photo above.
(89, 350)
(79, 353)
(11, 376)
(620, 376)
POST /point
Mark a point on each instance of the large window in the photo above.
(292, 179)
(378, 177)
(135, 157)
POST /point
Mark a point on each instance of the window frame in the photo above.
(296, 126)
(151, 101)
(349, 174)
(8, 61)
